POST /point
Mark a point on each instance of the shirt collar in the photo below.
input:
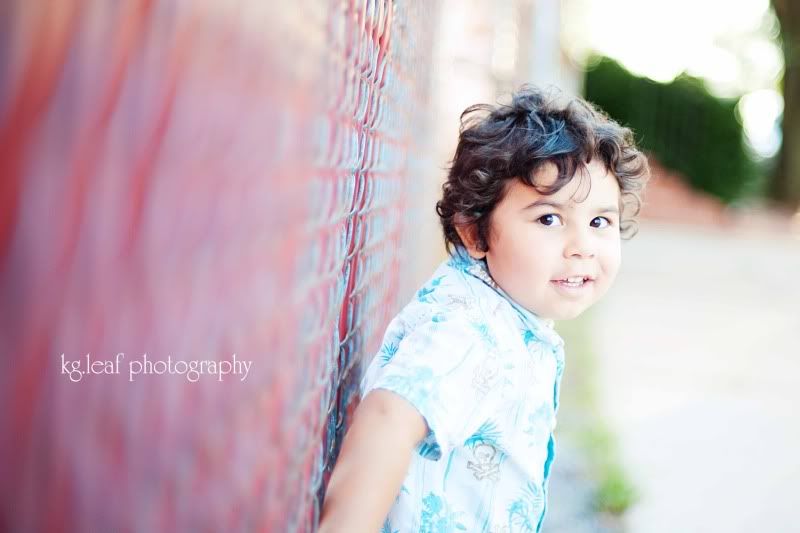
(541, 327)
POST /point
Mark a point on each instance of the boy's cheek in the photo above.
(612, 276)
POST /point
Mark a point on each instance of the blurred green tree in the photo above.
(682, 124)
(786, 182)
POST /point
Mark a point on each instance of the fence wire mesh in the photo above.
(186, 182)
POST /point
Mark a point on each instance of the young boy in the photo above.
(454, 432)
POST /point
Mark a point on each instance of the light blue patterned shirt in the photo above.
(484, 373)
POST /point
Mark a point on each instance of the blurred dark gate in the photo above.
(194, 180)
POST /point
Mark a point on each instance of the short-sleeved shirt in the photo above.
(484, 372)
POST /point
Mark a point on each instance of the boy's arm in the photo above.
(372, 464)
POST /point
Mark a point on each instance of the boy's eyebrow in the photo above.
(543, 201)
(550, 203)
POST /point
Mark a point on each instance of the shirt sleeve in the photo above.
(433, 367)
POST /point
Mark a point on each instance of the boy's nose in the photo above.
(579, 244)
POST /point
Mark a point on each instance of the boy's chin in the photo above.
(568, 314)
(562, 311)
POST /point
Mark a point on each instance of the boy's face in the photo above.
(556, 255)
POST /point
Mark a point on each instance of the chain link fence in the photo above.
(198, 182)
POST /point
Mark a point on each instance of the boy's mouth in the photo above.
(573, 281)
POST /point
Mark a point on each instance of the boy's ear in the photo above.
(469, 236)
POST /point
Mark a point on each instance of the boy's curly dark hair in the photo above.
(505, 142)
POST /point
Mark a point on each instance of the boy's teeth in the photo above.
(574, 280)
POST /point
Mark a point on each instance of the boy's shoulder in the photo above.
(453, 292)
(460, 299)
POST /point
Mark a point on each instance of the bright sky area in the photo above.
(731, 44)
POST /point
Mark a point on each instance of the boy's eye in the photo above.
(550, 220)
(600, 222)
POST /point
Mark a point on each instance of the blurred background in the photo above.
(200, 179)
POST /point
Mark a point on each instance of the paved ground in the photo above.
(699, 356)
(570, 497)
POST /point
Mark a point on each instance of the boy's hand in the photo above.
(372, 464)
